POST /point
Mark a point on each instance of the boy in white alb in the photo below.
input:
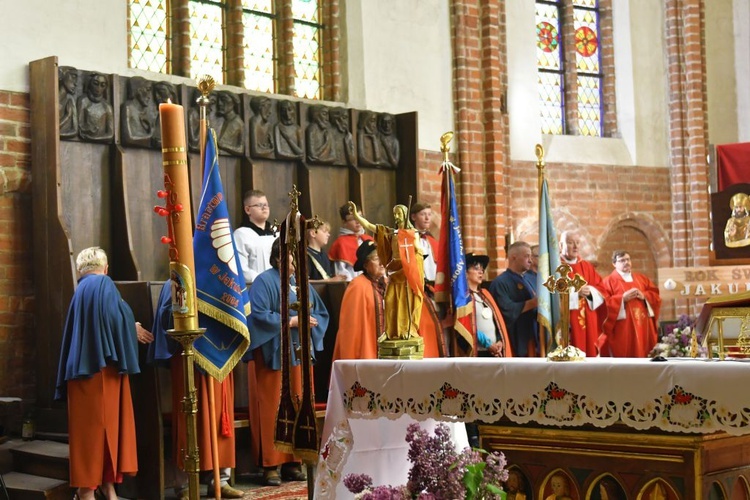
(255, 237)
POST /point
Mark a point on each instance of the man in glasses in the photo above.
(255, 237)
(633, 305)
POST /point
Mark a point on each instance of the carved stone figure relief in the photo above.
(66, 98)
(95, 114)
(288, 136)
(391, 147)
(273, 127)
(232, 132)
(138, 114)
(261, 128)
(343, 141)
(319, 136)
(163, 92)
(369, 146)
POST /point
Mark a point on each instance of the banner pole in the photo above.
(205, 86)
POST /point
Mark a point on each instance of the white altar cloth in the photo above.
(695, 396)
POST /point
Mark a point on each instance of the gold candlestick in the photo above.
(562, 285)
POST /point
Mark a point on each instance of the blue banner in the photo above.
(548, 310)
(451, 260)
(223, 303)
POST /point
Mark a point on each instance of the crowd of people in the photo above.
(612, 316)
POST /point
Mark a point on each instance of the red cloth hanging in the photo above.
(732, 164)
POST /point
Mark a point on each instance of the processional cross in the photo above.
(562, 286)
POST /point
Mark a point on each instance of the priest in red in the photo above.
(586, 311)
(633, 303)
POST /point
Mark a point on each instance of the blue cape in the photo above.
(99, 331)
(163, 347)
(265, 319)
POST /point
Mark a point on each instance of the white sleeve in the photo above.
(241, 242)
(345, 269)
(596, 299)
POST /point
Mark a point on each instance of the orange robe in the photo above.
(264, 385)
(586, 323)
(361, 321)
(224, 408)
(636, 335)
(101, 429)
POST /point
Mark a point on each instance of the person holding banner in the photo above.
(633, 303)
(586, 311)
(517, 301)
(264, 371)
(164, 349)
(421, 217)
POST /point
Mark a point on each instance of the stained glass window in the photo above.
(256, 56)
(588, 67)
(149, 50)
(306, 16)
(549, 63)
(259, 61)
(207, 39)
(554, 72)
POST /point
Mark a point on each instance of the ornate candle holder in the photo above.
(176, 193)
(562, 285)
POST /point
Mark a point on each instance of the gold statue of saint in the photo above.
(400, 251)
(737, 230)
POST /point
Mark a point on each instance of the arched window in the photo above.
(270, 46)
(569, 67)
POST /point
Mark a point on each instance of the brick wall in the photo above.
(17, 373)
(688, 134)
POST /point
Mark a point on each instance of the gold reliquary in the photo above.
(724, 323)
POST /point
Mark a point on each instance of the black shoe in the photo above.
(271, 477)
(293, 472)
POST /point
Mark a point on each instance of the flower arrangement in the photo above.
(676, 344)
(439, 472)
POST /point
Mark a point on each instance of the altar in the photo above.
(678, 429)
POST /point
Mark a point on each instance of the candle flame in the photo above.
(169, 100)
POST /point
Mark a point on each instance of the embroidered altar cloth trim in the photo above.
(686, 396)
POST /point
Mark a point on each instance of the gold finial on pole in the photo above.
(206, 85)
(562, 285)
(445, 148)
(540, 166)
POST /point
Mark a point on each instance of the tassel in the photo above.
(226, 425)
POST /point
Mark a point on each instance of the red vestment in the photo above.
(433, 244)
(636, 335)
(361, 321)
(101, 429)
(344, 249)
(585, 323)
